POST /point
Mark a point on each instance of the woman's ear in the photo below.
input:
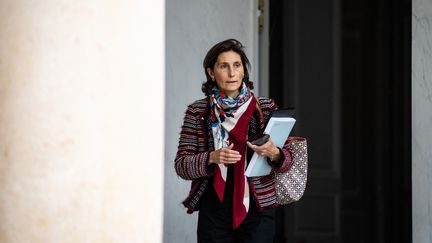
(210, 72)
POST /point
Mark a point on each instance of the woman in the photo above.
(214, 151)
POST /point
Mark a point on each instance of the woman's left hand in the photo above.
(268, 149)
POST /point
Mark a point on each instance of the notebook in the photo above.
(279, 128)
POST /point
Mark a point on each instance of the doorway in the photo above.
(345, 66)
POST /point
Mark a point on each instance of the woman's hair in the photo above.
(212, 56)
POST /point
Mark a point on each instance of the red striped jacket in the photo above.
(196, 143)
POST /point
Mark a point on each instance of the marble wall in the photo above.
(422, 120)
(81, 94)
(191, 30)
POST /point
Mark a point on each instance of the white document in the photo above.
(279, 129)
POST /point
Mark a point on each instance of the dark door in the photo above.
(305, 73)
(345, 66)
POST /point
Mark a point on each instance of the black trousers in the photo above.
(215, 226)
(215, 219)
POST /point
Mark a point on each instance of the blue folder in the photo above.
(279, 129)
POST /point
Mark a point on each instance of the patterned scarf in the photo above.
(230, 123)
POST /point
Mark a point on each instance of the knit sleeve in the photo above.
(190, 163)
(285, 161)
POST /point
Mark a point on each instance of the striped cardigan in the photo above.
(196, 143)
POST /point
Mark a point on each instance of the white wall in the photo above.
(192, 28)
(422, 121)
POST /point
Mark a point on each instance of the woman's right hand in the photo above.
(225, 156)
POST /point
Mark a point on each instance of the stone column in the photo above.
(422, 121)
(81, 121)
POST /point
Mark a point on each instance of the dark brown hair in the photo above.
(212, 56)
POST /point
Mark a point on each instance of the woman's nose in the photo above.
(231, 71)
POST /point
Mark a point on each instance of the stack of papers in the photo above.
(279, 129)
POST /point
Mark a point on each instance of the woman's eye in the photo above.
(237, 65)
(223, 66)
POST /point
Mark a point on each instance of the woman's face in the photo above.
(228, 73)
